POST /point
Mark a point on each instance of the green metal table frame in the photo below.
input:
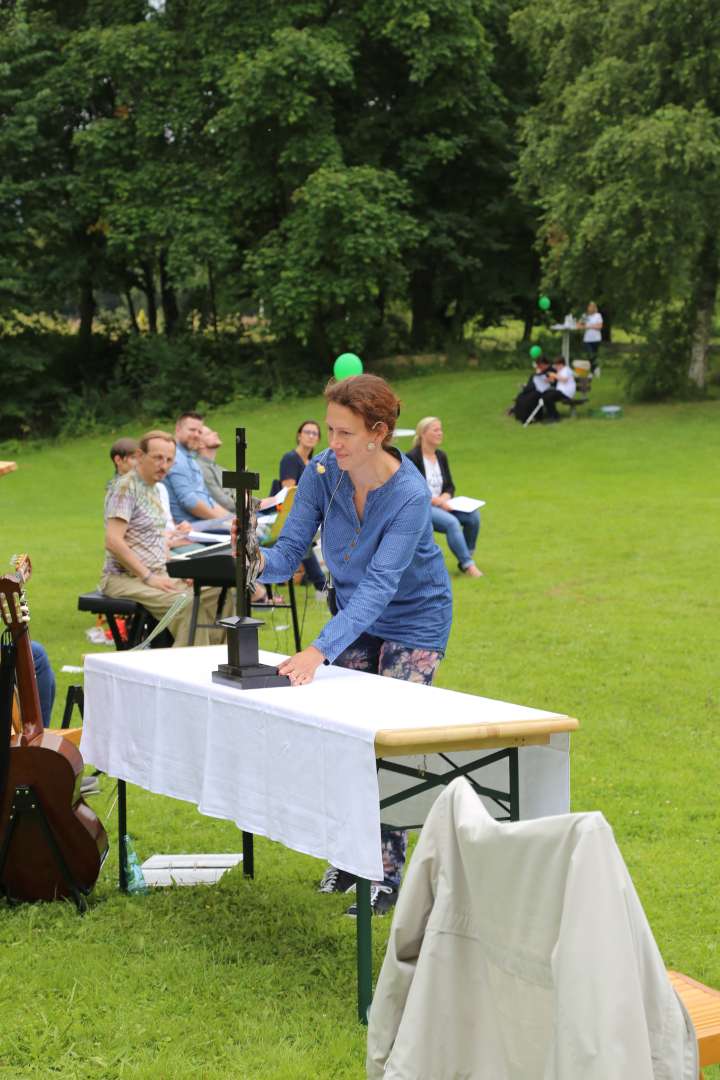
(507, 801)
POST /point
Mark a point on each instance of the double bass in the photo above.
(52, 845)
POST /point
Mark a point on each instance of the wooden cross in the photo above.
(244, 483)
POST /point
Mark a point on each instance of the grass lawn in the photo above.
(599, 545)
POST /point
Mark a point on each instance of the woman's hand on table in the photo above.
(301, 667)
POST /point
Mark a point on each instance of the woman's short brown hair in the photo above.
(370, 398)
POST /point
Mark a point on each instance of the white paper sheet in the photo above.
(464, 504)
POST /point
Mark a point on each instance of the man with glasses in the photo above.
(136, 543)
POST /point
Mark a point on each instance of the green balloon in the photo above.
(536, 352)
(544, 303)
(347, 364)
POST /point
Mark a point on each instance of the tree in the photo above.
(412, 91)
(622, 152)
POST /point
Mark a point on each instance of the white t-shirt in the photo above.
(566, 381)
(593, 327)
(433, 476)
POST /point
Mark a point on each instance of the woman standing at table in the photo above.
(460, 528)
(394, 604)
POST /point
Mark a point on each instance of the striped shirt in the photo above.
(389, 574)
(132, 500)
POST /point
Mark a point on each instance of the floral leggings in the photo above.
(397, 661)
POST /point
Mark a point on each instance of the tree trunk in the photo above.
(168, 298)
(212, 299)
(149, 290)
(87, 311)
(131, 311)
(703, 309)
(528, 323)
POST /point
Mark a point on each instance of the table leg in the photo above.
(248, 855)
(514, 783)
(294, 615)
(194, 613)
(364, 949)
(122, 833)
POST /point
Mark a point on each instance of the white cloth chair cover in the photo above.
(520, 951)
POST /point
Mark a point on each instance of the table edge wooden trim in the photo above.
(428, 740)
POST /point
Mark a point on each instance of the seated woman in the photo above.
(292, 466)
(460, 528)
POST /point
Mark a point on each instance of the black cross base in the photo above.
(243, 669)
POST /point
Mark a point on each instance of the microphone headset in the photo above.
(329, 584)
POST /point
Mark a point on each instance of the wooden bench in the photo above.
(703, 1005)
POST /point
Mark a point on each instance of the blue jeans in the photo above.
(461, 530)
(45, 681)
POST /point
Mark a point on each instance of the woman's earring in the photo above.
(371, 446)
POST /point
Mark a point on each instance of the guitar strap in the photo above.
(8, 653)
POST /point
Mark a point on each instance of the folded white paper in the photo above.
(464, 504)
(207, 537)
(188, 869)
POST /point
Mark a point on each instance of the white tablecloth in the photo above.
(295, 764)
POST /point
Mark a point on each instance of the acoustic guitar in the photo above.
(52, 845)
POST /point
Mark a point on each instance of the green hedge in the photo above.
(53, 384)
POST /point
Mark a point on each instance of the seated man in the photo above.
(534, 389)
(136, 544)
(210, 443)
(562, 389)
(190, 499)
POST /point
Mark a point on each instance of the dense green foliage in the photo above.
(600, 600)
(622, 152)
(373, 177)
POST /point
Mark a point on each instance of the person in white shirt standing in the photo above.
(592, 325)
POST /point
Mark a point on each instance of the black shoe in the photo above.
(383, 898)
(334, 880)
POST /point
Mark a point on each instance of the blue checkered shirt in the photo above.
(389, 574)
